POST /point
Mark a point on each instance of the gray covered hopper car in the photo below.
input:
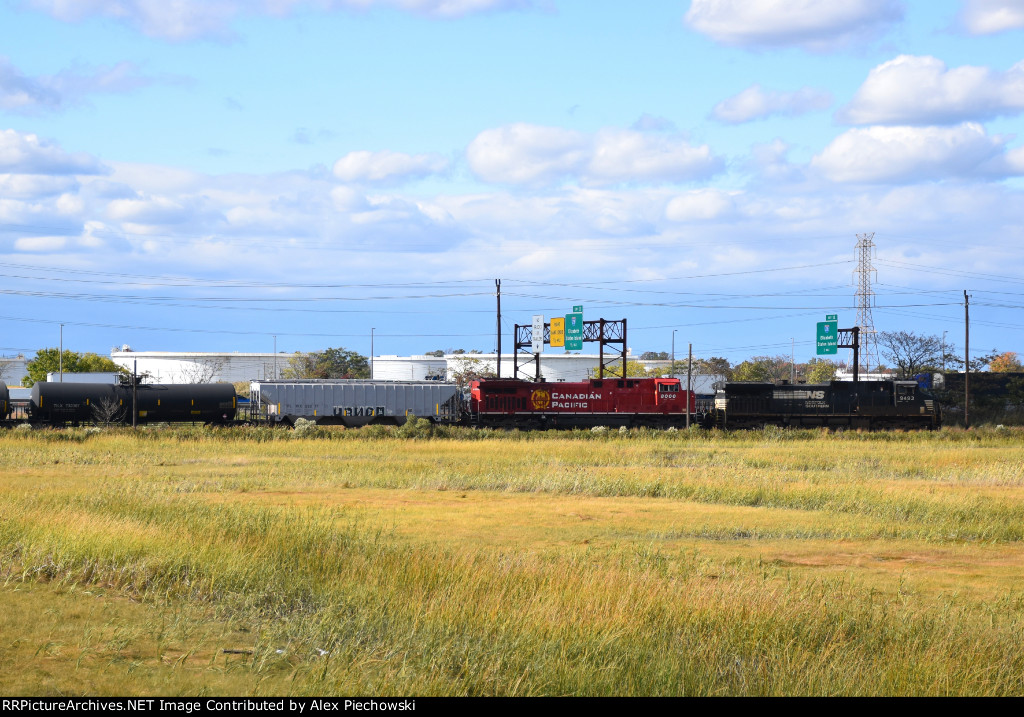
(353, 402)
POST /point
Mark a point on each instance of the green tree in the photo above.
(49, 361)
(714, 366)
(329, 363)
(979, 362)
(634, 369)
(819, 370)
(763, 368)
(912, 353)
(466, 369)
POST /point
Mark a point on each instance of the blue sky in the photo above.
(207, 175)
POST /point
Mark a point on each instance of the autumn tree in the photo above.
(49, 361)
(1006, 362)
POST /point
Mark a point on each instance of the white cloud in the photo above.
(21, 93)
(986, 17)
(700, 205)
(27, 154)
(34, 186)
(40, 244)
(387, 167)
(922, 90)
(183, 20)
(621, 156)
(527, 154)
(819, 25)
(912, 154)
(756, 103)
(533, 155)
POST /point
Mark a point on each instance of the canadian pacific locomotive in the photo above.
(839, 404)
(613, 402)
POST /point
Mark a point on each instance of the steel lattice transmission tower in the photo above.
(865, 301)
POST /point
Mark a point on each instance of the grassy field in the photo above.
(250, 561)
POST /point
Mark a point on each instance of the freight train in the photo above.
(499, 403)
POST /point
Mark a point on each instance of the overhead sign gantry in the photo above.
(607, 334)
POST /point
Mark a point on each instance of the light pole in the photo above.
(673, 369)
(944, 351)
(792, 360)
(372, 329)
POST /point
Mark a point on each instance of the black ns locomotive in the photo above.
(839, 404)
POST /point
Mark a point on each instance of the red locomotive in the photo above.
(613, 402)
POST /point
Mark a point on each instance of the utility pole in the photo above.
(60, 355)
(967, 358)
(372, 329)
(689, 384)
(497, 285)
(134, 393)
(275, 357)
(792, 360)
(673, 369)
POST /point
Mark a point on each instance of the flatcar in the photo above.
(612, 402)
(58, 404)
(838, 404)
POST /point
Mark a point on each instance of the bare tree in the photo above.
(912, 353)
(107, 411)
(202, 371)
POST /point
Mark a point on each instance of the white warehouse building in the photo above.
(202, 367)
(553, 367)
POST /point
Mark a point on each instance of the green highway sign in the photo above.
(574, 331)
(577, 309)
(828, 337)
(831, 317)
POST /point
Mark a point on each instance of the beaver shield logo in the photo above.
(540, 400)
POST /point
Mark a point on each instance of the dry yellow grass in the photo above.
(759, 563)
